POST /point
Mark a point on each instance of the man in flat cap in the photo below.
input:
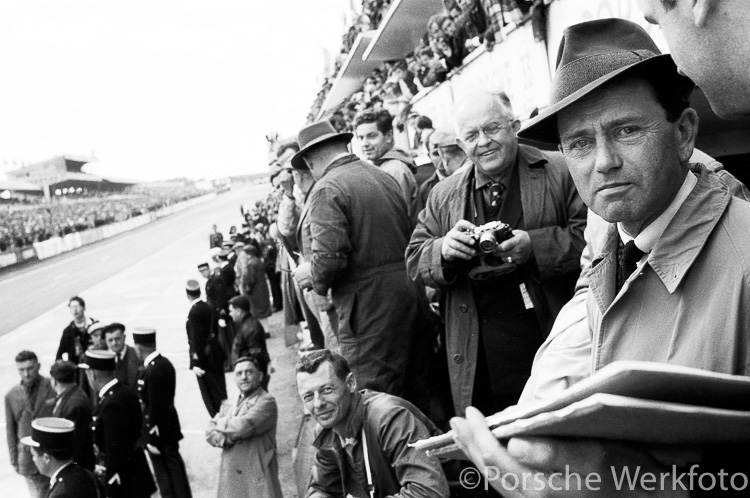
(127, 366)
(156, 388)
(206, 354)
(117, 431)
(358, 230)
(672, 244)
(73, 404)
(499, 303)
(52, 443)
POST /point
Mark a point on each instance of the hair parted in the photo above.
(311, 362)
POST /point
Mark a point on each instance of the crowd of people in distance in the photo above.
(23, 224)
(450, 36)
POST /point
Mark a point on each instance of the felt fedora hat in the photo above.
(591, 54)
(314, 134)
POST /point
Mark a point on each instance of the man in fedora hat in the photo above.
(496, 319)
(358, 230)
(710, 42)
(671, 244)
(117, 431)
(52, 441)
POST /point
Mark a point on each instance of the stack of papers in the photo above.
(639, 402)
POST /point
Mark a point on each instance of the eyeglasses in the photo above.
(489, 130)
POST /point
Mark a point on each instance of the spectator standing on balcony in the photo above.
(359, 229)
(375, 133)
(34, 397)
(431, 71)
(496, 321)
(75, 339)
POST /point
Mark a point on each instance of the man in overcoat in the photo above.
(359, 228)
(498, 308)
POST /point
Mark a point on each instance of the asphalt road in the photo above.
(138, 278)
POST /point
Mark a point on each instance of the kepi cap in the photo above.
(50, 433)
(144, 335)
(192, 286)
(98, 360)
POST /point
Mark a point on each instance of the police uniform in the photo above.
(156, 389)
(69, 480)
(117, 433)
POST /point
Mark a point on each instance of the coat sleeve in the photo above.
(116, 447)
(325, 477)
(160, 397)
(557, 248)
(329, 228)
(258, 419)
(288, 218)
(11, 431)
(424, 261)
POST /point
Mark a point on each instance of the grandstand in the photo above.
(63, 175)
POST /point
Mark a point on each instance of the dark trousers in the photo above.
(274, 280)
(170, 473)
(213, 387)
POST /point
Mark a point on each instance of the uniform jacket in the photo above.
(390, 424)
(400, 166)
(75, 405)
(246, 431)
(255, 287)
(74, 481)
(554, 217)
(117, 432)
(18, 418)
(358, 230)
(129, 368)
(205, 351)
(156, 388)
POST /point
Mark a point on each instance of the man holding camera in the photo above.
(499, 300)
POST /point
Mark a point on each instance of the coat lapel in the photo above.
(530, 178)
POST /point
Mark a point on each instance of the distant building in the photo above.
(62, 175)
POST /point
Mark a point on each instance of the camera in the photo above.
(488, 236)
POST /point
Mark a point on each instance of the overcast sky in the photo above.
(159, 89)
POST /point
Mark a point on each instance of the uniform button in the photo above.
(458, 358)
(463, 308)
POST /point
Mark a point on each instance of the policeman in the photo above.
(51, 443)
(117, 431)
(156, 388)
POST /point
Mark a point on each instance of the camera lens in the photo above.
(487, 242)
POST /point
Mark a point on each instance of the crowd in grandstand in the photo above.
(22, 224)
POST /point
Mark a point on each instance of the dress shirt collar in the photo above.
(646, 240)
(150, 357)
(106, 388)
(54, 475)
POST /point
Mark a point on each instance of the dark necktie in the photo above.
(496, 199)
(627, 261)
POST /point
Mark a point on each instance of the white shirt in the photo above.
(646, 240)
(106, 387)
(149, 358)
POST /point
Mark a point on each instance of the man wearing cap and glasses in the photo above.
(499, 306)
(673, 244)
(156, 389)
(51, 442)
(358, 231)
(117, 431)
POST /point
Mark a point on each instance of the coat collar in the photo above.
(677, 248)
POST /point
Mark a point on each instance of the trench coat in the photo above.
(358, 230)
(254, 287)
(245, 429)
(554, 217)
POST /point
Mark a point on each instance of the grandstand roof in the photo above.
(401, 28)
(351, 75)
(19, 186)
